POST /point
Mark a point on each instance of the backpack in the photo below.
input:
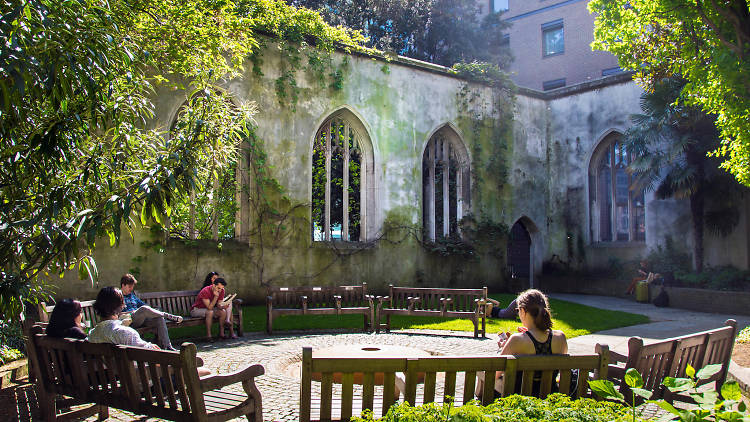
(662, 299)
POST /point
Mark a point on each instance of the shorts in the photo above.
(198, 312)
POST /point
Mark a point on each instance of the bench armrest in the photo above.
(236, 302)
(412, 301)
(212, 382)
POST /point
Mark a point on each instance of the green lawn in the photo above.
(574, 319)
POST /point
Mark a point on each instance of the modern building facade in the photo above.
(551, 43)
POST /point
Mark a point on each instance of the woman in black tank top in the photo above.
(536, 335)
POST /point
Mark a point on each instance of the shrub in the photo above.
(556, 407)
(11, 335)
(744, 335)
(718, 278)
(9, 355)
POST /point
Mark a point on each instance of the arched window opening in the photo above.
(338, 179)
(617, 211)
(445, 185)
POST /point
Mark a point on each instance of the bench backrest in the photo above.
(427, 368)
(154, 382)
(87, 309)
(178, 303)
(462, 300)
(318, 296)
(163, 384)
(670, 357)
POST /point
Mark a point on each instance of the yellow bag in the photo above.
(641, 291)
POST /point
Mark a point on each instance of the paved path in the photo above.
(280, 354)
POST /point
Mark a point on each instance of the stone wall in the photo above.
(528, 164)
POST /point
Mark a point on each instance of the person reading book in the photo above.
(210, 305)
(209, 280)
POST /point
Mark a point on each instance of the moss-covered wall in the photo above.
(400, 105)
(529, 161)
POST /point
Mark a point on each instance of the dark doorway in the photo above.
(519, 251)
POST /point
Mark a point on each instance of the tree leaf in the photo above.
(731, 391)
(633, 378)
(606, 390)
(708, 371)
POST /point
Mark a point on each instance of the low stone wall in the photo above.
(702, 300)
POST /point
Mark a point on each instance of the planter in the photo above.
(13, 371)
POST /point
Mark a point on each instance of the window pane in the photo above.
(439, 191)
(605, 198)
(337, 181)
(553, 42)
(319, 185)
(355, 169)
(622, 216)
(452, 196)
(639, 216)
(499, 5)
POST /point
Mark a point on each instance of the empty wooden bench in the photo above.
(177, 303)
(439, 375)
(319, 300)
(156, 383)
(448, 303)
(670, 357)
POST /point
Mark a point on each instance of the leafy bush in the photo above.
(719, 278)
(556, 407)
(744, 335)
(11, 335)
(668, 259)
(724, 405)
(9, 355)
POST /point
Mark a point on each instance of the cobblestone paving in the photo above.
(281, 354)
(280, 387)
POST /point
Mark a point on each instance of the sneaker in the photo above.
(175, 318)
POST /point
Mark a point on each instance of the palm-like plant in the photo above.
(670, 142)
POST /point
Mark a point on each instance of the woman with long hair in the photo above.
(65, 321)
(535, 336)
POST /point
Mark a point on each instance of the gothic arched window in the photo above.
(341, 166)
(617, 212)
(445, 184)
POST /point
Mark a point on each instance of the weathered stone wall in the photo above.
(531, 167)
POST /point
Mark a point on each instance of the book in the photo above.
(227, 300)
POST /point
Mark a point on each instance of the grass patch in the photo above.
(572, 318)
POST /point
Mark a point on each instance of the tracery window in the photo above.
(617, 211)
(445, 185)
(339, 170)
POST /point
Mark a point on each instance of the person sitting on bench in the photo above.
(143, 315)
(109, 302)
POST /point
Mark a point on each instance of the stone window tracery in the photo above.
(339, 172)
(445, 185)
(617, 212)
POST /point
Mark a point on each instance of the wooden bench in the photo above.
(177, 303)
(323, 300)
(156, 383)
(350, 401)
(448, 303)
(670, 357)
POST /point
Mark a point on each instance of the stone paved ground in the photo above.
(280, 355)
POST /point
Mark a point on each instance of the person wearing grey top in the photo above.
(108, 304)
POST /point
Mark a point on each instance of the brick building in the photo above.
(550, 41)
